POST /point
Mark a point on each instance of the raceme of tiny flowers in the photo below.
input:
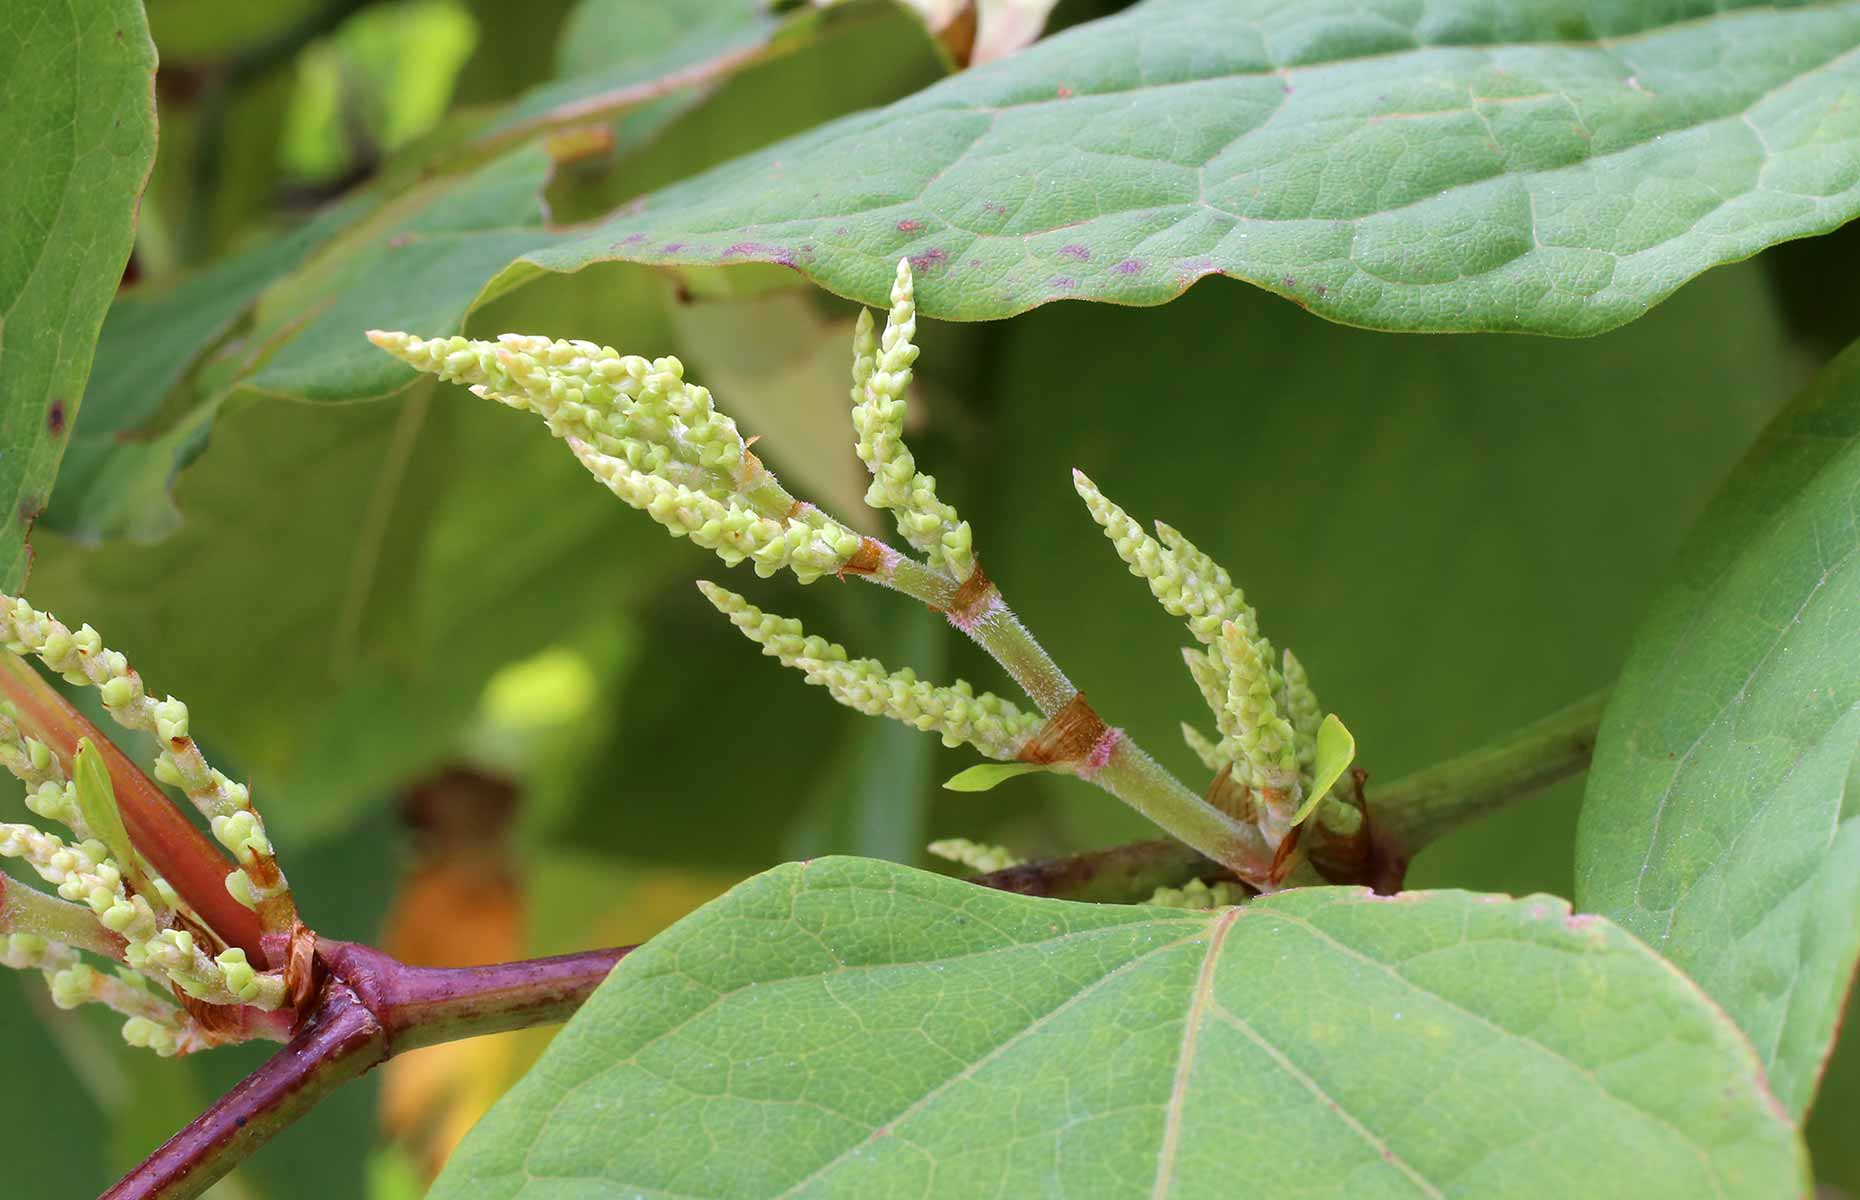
(979, 857)
(881, 372)
(659, 443)
(991, 725)
(1263, 706)
(82, 659)
(655, 440)
(136, 916)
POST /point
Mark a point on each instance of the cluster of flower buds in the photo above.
(881, 373)
(175, 957)
(979, 857)
(1266, 757)
(659, 443)
(986, 722)
(655, 440)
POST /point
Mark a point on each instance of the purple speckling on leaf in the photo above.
(1063, 283)
(929, 260)
(671, 247)
(632, 239)
(1074, 250)
(777, 254)
(1129, 266)
(1193, 269)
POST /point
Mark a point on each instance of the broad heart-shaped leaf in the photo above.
(1719, 822)
(77, 116)
(847, 1027)
(1539, 165)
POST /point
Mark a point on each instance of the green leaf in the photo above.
(123, 457)
(1531, 166)
(96, 797)
(984, 777)
(1719, 822)
(854, 1028)
(1336, 750)
(77, 115)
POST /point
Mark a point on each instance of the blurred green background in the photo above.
(481, 705)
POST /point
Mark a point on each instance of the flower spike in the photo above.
(1263, 704)
(881, 373)
(81, 658)
(114, 904)
(656, 441)
(986, 722)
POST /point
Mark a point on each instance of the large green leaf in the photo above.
(1549, 166)
(1719, 822)
(853, 1028)
(402, 549)
(77, 115)
(1456, 535)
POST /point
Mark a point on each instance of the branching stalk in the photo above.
(371, 1008)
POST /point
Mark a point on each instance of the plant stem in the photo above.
(371, 1008)
(1143, 783)
(1118, 875)
(1413, 811)
(28, 910)
(341, 1042)
(423, 1006)
(1130, 774)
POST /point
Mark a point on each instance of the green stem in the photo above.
(1128, 773)
(1000, 632)
(1417, 809)
(27, 910)
(1143, 783)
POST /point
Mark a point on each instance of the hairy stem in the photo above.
(371, 1008)
(1141, 782)
(1415, 810)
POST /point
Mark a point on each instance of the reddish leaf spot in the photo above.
(929, 260)
(55, 418)
(909, 226)
(1074, 250)
(1065, 93)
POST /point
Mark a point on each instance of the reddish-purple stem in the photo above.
(371, 1008)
